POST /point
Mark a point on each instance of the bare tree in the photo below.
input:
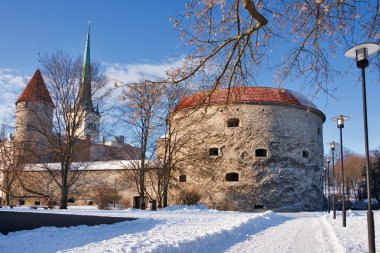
(170, 144)
(229, 41)
(140, 110)
(375, 174)
(11, 165)
(64, 140)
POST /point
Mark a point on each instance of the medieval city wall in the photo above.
(83, 192)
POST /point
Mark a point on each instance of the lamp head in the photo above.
(340, 120)
(361, 52)
(332, 145)
(362, 57)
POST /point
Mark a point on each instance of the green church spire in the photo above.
(85, 81)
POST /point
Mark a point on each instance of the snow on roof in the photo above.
(99, 165)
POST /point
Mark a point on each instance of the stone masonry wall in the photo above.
(83, 191)
(283, 180)
(36, 115)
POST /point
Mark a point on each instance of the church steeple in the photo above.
(85, 97)
(89, 118)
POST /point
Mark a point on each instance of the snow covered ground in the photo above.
(196, 229)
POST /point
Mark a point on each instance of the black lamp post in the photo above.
(332, 146)
(360, 53)
(340, 124)
(324, 190)
(328, 185)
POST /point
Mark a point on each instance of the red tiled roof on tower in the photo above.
(36, 91)
(263, 95)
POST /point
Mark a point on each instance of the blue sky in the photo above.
(135, 37)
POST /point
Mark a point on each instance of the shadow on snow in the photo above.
(70, 237)
(225, 239)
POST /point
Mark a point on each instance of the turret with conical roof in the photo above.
(34, 114)
(36, 91)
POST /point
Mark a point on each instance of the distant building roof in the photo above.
(36, 91)
(96, 166)
(247, 95)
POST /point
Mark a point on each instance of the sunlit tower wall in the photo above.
(250, 148)
(34, 114)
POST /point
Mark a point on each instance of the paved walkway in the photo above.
(299, 235)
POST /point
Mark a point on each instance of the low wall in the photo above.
(11, 221)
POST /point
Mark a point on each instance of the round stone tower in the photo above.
(250, 148)
(34, 114)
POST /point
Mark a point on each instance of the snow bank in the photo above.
(185, 208)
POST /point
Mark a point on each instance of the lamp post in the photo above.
(360, 53)
(340, 124)
(325, 199)
(328, 185)
(332, 146)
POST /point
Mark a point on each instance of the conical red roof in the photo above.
(36, 91)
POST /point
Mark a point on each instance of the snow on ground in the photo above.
(197, 229)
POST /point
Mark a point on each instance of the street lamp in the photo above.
(360, 53)
(328, 185)
(324, 189)
(332, 147)
(340, 124)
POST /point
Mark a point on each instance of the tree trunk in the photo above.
(159, 203)
(142, 202)
(165, 202)
(7, 198)
(64, 193)
(142, 189)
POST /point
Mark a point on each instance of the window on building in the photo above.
(213, 152)
(305, 154)
(319, 131)
(182, 178)
(261, 152)
(71, 200)
(234, 122)
(232, 176)
(27, 105)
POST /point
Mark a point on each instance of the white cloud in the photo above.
(11, 86)
(121, 74)
(128, 73)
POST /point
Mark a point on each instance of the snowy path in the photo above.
(303, 234)
(196, 229)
